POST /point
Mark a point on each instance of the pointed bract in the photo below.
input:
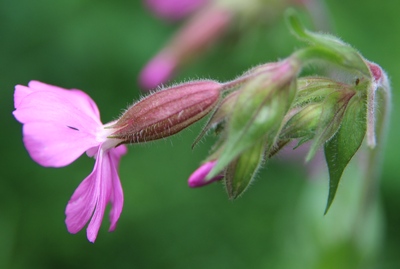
(342, 147)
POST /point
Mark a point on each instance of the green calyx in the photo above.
(241, 171)
(258, 112)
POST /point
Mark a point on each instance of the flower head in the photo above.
(59, 125)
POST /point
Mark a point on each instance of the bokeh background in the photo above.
(100, 47)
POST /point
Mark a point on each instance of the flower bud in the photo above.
(317, 112)
(259, 110)
(376, 71)
(199, 177)
(201, 31)
(303, 123)
(241, 171)
(167, 112)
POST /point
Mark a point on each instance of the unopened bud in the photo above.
(319, 114)
(202, 30)
(259, 110)
(303, 124)
(167, 112)
(199, 177)
(241, 171)
(376, 71)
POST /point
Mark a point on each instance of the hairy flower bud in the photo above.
(167, 112)
(258, 111)
(317, 112)
(241, 171)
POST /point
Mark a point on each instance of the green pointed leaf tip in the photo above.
(258, 112)
(345, 143)
(326, 47)
(223, 110)
(295, 25)
(240, 172)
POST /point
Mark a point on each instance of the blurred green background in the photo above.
(100, 47)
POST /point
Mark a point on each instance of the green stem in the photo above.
(314, 54)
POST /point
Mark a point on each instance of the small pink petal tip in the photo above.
(376, 71)
(198, 178)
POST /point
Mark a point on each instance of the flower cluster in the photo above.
(271, 106)
(254, 115)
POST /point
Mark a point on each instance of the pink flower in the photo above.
(59, 125)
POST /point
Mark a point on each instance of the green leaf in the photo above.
(241, 171)
(342, 147)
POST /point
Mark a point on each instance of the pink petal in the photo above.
(117, 196)
(104, 188)
(58, 125)
(198, 178)
(174, 9)
(55, 145)
(82, 203)
(20, 93)
(81, 100)
(51, 106)
(92, 195)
